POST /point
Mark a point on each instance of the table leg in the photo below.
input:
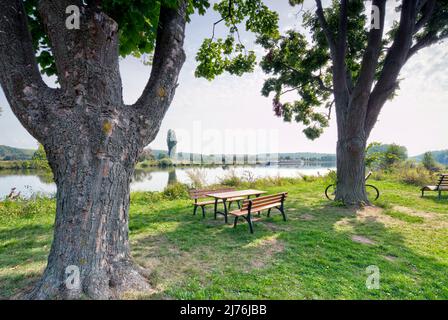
(224, 202)
(216, 206)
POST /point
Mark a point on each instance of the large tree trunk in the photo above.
(91, 227)
(92, 139)
(350, 150)
(350, 155)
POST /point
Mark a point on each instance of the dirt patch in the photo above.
(213, 222)
(363, 240)
(307, 217)
(268, 248)
(370, 211)
(431, 220)
(275, 226)
(390, 258)
(422, 214)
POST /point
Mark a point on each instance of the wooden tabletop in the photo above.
(234, 194)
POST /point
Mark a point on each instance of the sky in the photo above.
(229, 115)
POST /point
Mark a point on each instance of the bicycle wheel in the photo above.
(372, 192)
(330, 192)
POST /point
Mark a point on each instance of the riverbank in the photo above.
(24, 165)
(321, 252)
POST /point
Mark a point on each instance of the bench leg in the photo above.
(283, 213)
(423, 193)
(203, 211)
(269, 212)
(251, 227)
(194, 210)
(235, 221)
(239, 204)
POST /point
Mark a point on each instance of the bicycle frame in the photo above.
(368, 175)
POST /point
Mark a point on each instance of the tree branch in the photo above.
(370, 58)
(326, 29)
(428, 9)
(229, 15)
(342, 33)
(169, 57)
(337, 49)
(424, 42)
(27, 94)
(340, 69)
(83, 56)
(394, 61)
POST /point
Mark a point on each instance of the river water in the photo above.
(156, 179)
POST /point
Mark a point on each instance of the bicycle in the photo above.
(372, 192)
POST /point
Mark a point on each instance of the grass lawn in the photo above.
(321, 252)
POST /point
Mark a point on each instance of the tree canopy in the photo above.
(138, 22)
(305, 66)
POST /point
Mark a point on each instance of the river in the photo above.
(156, 179)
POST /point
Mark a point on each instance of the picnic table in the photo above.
(223, 196)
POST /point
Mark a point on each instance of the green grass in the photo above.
(311, 256)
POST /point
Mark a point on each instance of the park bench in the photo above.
(200, 197)
(442, 185)
(249, 206)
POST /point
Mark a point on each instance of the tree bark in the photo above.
(350, 154)
(350, 150)
(91, 227)
(91, 138)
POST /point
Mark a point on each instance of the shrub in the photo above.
(144, 164)
(384, 156)
(249, 177)
(197, 177)
(176, 191)
(146, 197)
(165, 162)
(277, 181)
(231, 179)
(309, 178)
(270, 181)
(413, 175)
(330, 177)
(36, 205)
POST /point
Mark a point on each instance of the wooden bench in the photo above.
(442, 185)
(257, 205)
(198, 194)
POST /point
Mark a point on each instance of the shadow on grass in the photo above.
(312, 255)
(435, 198)
(21, 250)
(306, 257)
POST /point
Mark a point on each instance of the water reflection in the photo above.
(141, 175)
(172, 177)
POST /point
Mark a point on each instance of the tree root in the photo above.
(100, 285)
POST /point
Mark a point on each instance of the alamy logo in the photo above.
(72, 280)
(73, 20)
(373, 278)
